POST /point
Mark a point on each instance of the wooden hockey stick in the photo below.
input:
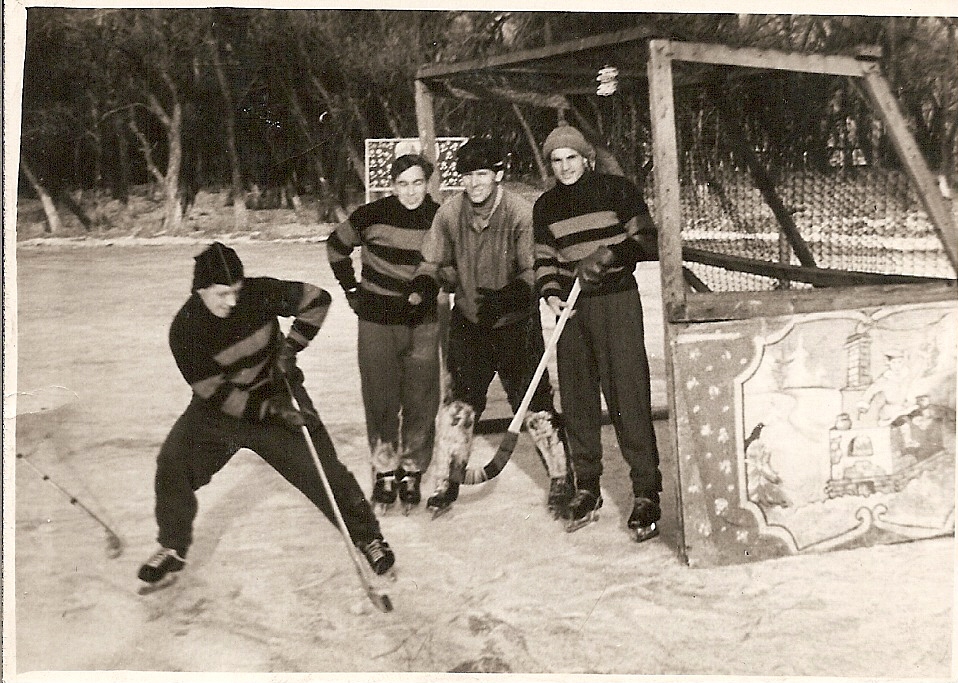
(380, 600)
(511, 438)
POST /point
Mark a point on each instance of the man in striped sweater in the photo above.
(485, 234)
(398, 345)
(597, 227)
(229, 347)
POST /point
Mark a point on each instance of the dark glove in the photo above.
(279, 408)
(427, 290)
(285, 364)
(594, 267)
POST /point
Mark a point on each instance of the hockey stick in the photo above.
(113, 542)
(511, 438)
(380, 600)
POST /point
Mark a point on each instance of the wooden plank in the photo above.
(430, 71)
(915, 164)
(666, 165)
(818, 277)
(706, 53)
(669, 213)
(744, 305)
(426, 123)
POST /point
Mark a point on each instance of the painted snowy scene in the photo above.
(494, 586)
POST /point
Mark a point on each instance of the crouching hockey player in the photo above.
(398, 344)
(485, 235)
(229, 347)
(597, 227)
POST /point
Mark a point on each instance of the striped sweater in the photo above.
(572, 221)
(390, 237)
(228, 362)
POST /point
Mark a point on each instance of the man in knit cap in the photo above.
(398, 344)
(597, 227)
(229, 347)
(485, 235)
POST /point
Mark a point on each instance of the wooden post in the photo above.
(426, 122)
(911, 157)
(669, 213)
(666, 173)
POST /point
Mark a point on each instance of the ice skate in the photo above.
(157, 572)
(409, 493)
(384, 492)
(379, 555)
(583, 510)
(643, 520)
(441, 502)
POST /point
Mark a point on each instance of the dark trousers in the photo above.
(603, 349)
(477, 353)
(399, 372)
(204, 439)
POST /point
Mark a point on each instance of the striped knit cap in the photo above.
(217, 264)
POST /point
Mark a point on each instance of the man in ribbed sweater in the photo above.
(229, 347)
(485, 234)
(397, 343)
(597, 227)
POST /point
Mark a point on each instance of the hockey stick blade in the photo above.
(380, 600)
(508, 445)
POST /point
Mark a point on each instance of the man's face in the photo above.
(410, 187)
(568, 165)
(220, 299)
(480, 183)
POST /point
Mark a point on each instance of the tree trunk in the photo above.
(236, 176)
(536, 151)
(54, 225)
(121, 182)
(172, 199)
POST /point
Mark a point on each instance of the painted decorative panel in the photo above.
(814, 432)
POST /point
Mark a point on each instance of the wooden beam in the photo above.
(915, 164)
(666, 174)
(426, 123)
(430, 71)
(745, 305)
(818, 277)
(706, 53)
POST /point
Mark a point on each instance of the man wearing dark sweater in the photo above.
(229, 347)
(597, 227)
(398, 346)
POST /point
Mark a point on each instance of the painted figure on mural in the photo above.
(894, 392)
(764, 483)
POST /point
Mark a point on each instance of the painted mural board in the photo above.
(815, 432)
(381, 152)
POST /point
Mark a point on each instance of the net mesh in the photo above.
(756, 151)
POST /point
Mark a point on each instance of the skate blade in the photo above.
(438, 512)
(150, 588)
(407, 508)
(382, 508)
(576, 524)
(645, 533)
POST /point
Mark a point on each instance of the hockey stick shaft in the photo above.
(113, 540)
(381, 601)
(511, 437)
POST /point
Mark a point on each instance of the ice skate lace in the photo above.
(375, 551)
(157, 558)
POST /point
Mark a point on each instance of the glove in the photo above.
(279, 408)
(493, 303)
(421, 295)
(285, 364)
(595, 266)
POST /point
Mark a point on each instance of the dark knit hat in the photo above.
(407, 161)
(566, 136)
(216, 265)
(477, 153)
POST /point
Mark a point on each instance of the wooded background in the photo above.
(273, 105)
